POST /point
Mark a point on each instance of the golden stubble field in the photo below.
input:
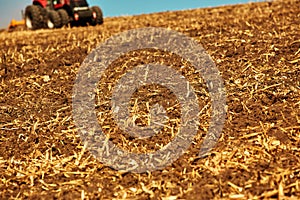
(256, 47)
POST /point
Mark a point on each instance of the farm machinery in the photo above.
(14, 24)
(58, 13)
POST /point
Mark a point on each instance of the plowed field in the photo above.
(256, 47)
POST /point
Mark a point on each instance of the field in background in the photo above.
(256, 47)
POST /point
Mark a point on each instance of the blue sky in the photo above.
(12, 8)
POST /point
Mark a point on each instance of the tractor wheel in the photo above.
(54, 20)
(64, 17)
(99, 16)
(44, 17)
(33, 17)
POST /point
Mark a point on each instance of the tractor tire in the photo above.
(44, 17)
(33, 17)
(99, 16)
(64, 17)
(54, 20)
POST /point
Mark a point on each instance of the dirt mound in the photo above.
(255, 46)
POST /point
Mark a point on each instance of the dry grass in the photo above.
(255, 46)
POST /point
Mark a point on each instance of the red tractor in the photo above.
(58, 13)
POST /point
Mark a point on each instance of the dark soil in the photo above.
(255, 46)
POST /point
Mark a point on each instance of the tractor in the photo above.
(58, 13)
